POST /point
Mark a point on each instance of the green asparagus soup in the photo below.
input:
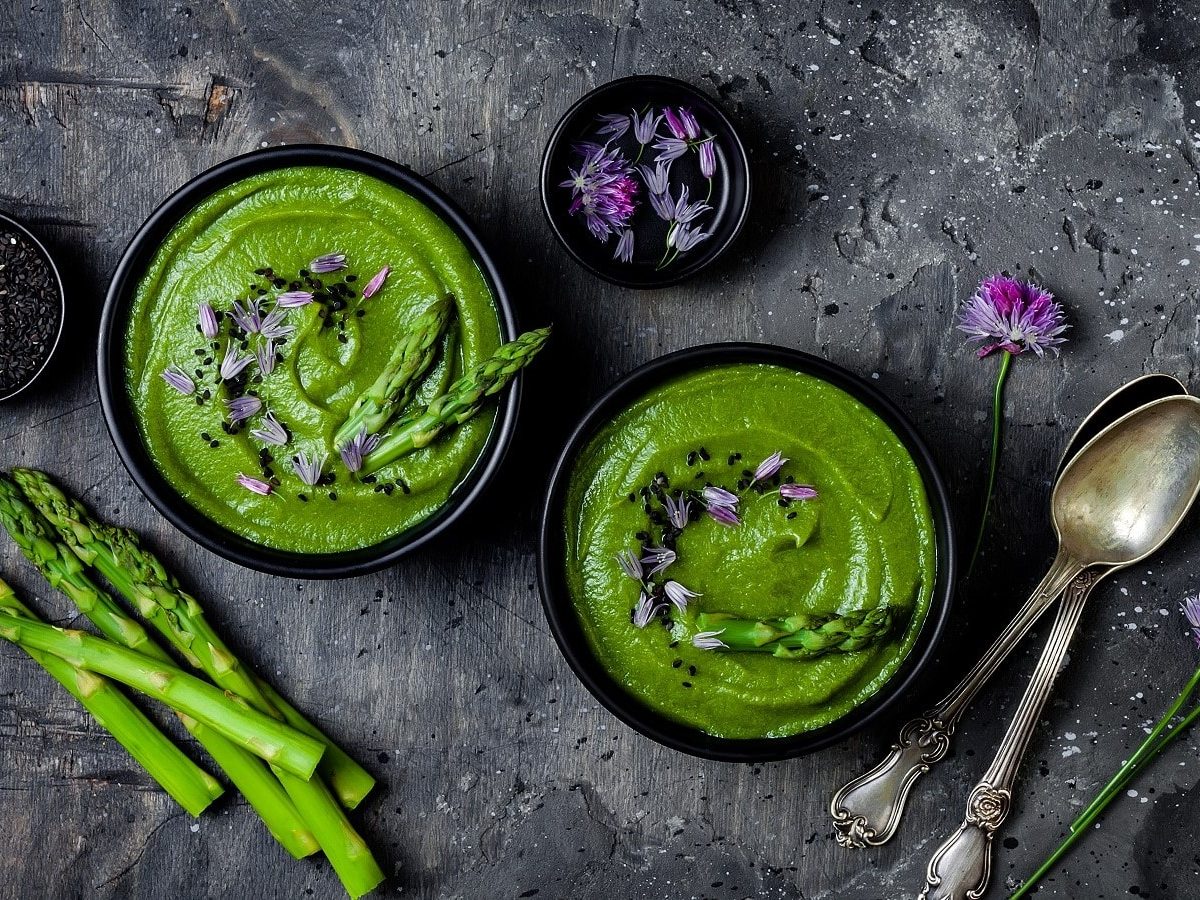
(297, 231)
(827, 557)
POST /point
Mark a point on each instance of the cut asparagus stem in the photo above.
(394, 388)
(275, 742)
(800, 636)
(349, 781)
(189, 785)
(34, 536)
(140, 576)
(462, 401)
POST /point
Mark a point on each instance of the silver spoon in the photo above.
(867, 810)
(1117, 502)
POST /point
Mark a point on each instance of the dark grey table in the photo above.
(899, 153)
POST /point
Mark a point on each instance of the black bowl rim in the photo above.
(62, 305)
(564, 624)
(123, 429)
(556, 137)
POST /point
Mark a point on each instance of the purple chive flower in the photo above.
(675, 123)
(328, 262)
(266, 354)
(1190, 608)
(657, 180)
(663, 206)
(678, 510)
(624, 251)
(208, 320)
(271, 431)
(613, 125)
(602, 189)
(309, 468)
(254, 484)
(684, 238)
(233, 362)
(678, 595)
(272, 327)
(685, 212)
(658, 559)
(178, 379)
(724, 515)
(630, 564)
(797, 491)
(769, 466)
(242, 408)
(372, 287)
(708, 157)
(293, 299)
(644, 128)
(248, 317)
(1013, 316)
(353, 451)
(709, 640)
(670, 149)
(645, 610)
(691, 128)
(718, 496)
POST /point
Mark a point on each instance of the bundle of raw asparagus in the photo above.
(295, 778)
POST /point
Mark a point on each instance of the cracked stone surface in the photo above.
(900, 152)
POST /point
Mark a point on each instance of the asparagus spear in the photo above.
(394, 387)
(250, 729)
(189, 785)
(141, 577)
(462, 401)
(799, 636)
(64, 571)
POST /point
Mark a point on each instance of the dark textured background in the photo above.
(899, 152)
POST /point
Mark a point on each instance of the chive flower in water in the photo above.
(644, 128)
(624, 251)
(1173, 723)
(1010, 317)
(613, 125)
(602, 189)
(178, 379)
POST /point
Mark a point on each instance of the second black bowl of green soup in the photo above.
(248, 329)
(746, 552)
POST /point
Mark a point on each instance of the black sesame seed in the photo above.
(791, 515)
(691, 670)
(676, 664)
(214, 443)
(687, 684)
(333, 495)
(691, 458)
(704, 455)
(302, 498)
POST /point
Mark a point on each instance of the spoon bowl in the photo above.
(1123, 495)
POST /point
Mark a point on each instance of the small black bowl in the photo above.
(565, 623)
(730, 199)
(11, 225)
(122, 425)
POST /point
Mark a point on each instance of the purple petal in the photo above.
(254, 484)
(718, 496)
(271, 431)
(675, 123)
(328, 262)
(242, 408)
(1013, 315)
(1190, 608)
(724, 516)
(658, 559)
(624, 251)
(709, 640)
(293, 299)
(266, 354)
(645, 611)
(248, 317)
(353, 451)
(644, 128)
(178, 379)
(372, 287)
(208, 320)
(669, 149)
(613, 124)
(708, 158)
(309, 468)
(797, 491)
(630, 564)
(769, 466)
(679, 595)
(272, 327)
(691, 128)
(234, 362)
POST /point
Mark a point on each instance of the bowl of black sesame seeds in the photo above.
(32, 307)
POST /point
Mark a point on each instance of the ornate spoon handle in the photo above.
(962, 865)
(866, 811)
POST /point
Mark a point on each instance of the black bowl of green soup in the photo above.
(746, 552)
(249, 318)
